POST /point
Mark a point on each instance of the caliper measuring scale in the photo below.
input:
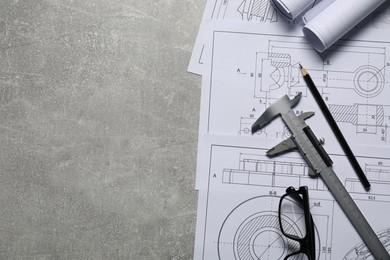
(320, 164)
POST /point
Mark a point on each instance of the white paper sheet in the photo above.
(251, 11)
(336, 20)
(238, 206)
(313, 12)
(245, 10)
(253, 65)
(246, 67)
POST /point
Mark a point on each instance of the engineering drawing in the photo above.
(277, 72)
(260, 171)
(248, 10)
(379, 176)
(251, 231)
(278, 69)
(258, 10)
(360, 252)
(368, 118)
(247, 228)
(250, 67)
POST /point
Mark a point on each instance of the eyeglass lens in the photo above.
(293, 223)
(292, 217)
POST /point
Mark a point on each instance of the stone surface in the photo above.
(99, 125)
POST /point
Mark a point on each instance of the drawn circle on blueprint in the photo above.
(278, 77)
(251, 231)
(246, 130)
(368, 81)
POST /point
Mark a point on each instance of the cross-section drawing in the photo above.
(258, 10)
(352, 76)
(243, 194)
(251, 231)
(368, 118)
(246, 10)
(379, 177)
(361, 252)
(261, 171)
(249, 10)
(257, 170)
(277, 72)
(278, 69)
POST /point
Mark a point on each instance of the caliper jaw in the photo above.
(280, 106)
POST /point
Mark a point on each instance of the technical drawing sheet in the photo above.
(248, 68)
(238, 203)
(252, 11)
(259, 12)
(252, 66)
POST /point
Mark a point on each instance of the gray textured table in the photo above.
(99, 124)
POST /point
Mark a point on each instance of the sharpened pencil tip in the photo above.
(303, 70)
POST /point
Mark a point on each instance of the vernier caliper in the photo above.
(320, 164)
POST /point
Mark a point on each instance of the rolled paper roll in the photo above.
(313, 12)
(291, 9)
(323, 30)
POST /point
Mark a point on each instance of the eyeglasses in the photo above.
(296, 223)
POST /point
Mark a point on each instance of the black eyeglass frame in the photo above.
(307, 243)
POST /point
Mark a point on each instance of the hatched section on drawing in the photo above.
(251, 230)
(280, 60)
(257, 10)
(380, 115)
(345, 114)
(366, 118)
(255, 233)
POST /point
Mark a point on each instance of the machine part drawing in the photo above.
(258, 171)
(258, 10)
(256, 234)
(278, 69)
(379, 176)
(368, 81)
(368, 119)
(361, 252)
(248, 10)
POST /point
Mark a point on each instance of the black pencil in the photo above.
(335, 128)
